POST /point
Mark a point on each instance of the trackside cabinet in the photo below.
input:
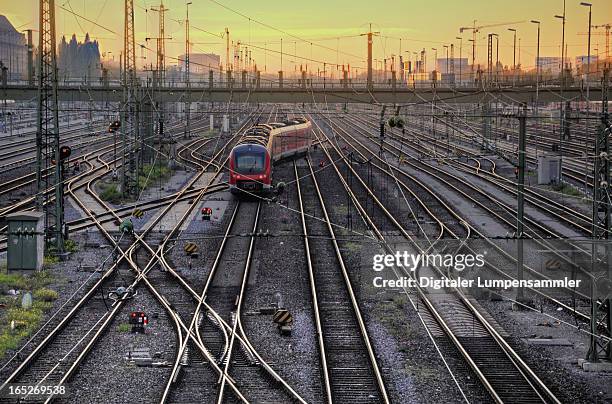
(26, 241)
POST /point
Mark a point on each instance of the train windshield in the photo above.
(249, 161)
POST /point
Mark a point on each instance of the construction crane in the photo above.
(476, 28)
(607, 34)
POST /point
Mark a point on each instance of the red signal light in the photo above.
(64, 152)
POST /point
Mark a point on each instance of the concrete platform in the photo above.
(548, 341)
(603, 366)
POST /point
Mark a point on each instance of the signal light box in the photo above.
(138, 319)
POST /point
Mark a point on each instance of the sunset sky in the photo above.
(333, 27)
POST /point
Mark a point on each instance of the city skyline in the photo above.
(319, 37)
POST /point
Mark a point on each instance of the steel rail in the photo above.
(314, 295)
(522, 367)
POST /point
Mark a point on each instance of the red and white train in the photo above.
(262, 145)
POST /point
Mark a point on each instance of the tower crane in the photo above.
(476, 28)
(607, 34)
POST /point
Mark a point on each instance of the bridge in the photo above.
(316, 94)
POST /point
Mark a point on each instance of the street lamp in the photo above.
(513, 57)
(589, 5)
(446, 47)
(460, 49)
(473, 60)
(537, 84)
(414, 68)
(537, 59)
(562, 18)
(496, 57)
(435, 59)
(561, 111)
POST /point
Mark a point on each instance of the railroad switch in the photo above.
(121, 293)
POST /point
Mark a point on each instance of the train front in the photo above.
(250, 169)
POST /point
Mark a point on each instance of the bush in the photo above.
(46, 295)
(111, 194)
(70, 246)
(50, 260)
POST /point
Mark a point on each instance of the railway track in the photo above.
(539, 233)
(349, 365)
(218, 318)
(445, 222)
(48, 346)
(526, 386)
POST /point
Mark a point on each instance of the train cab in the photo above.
(250, 169)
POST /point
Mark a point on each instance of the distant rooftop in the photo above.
(6, 26)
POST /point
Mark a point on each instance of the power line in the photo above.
(279, 30)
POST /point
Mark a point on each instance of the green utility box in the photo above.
(26, 241)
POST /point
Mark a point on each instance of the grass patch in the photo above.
(110, 193)
(70, 246)
(45, 295)
(17, 323)
(124, 327)
(401, 300)
(567, 189)
(152, 174)
(352, 246)
(49, 260)
(13, 281)
(40, 279)
(208, 133)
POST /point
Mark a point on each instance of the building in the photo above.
(461, 65)
(78, 59)
(551, 64)
(582, 62)
(200, 63)
(13, 50)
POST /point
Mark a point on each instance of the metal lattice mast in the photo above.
(489, 58)
(187, 82)
(161, 68)
(451, 67)
(601, 309)
(129, 126)
(47, 134)
(161, 44)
